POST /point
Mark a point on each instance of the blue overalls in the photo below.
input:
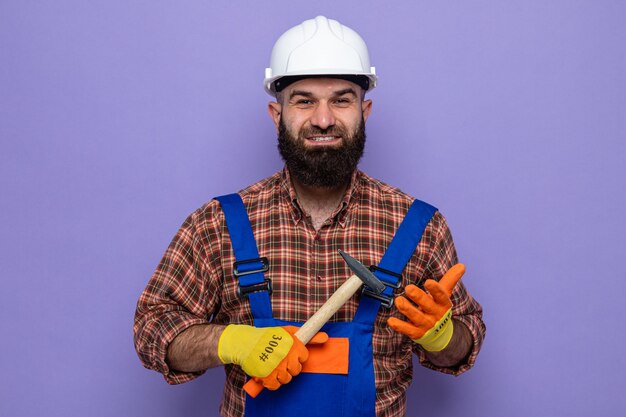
(315, 394)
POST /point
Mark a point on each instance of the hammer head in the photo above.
(363, 273)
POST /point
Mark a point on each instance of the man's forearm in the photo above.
(195, 349)
(457, 350)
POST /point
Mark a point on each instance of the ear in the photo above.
(274, 109)
(366, 108)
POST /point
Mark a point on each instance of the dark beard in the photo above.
(326, 167)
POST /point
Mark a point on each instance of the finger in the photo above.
(405, 328)
(299, 351)
(318, 339)
(281, 368)
(419, 297)
(283, 376)
(291, 329)
(450, 278)
(294, 365)
(273, 386)
(417, 317)
(409, 310)
(297, 355)
(439, 294)
(270, 382)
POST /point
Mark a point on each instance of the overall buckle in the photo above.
(266, 285)
(385, 300)
(244, 290)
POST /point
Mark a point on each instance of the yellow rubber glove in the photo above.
(269, 354)
(430, 318)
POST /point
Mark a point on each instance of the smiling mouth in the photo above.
(323, 138)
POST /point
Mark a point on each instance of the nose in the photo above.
(323, 116)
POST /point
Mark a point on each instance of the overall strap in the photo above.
(249, 267)
(394, 260)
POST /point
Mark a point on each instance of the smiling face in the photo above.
(321, 129)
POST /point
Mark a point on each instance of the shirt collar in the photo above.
(348, 203)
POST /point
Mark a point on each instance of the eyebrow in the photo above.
(300, 93)
(308, 94)
(348, 90)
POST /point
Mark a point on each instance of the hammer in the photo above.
(361, 276)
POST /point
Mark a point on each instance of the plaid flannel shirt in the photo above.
(193, 283)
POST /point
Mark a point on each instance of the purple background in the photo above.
(118, 118)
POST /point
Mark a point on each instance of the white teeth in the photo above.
(323, 139)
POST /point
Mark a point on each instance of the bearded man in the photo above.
(246, 269)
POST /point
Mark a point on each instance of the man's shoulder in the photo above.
(377, 193)
(379, 185)
(264, 187)
(376, 188)
(260, 189)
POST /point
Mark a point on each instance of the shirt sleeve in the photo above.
(465, 308)
(181, 293)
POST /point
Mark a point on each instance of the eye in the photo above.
(303, 102)
(343, 101)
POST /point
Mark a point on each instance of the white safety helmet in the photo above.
(319, 47)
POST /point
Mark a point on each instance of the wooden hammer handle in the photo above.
(316, 322)
(330, 307)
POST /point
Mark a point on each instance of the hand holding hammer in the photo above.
(361, 275)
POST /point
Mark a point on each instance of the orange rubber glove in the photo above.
(269, 354)
(291, 365)
(430, 318)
